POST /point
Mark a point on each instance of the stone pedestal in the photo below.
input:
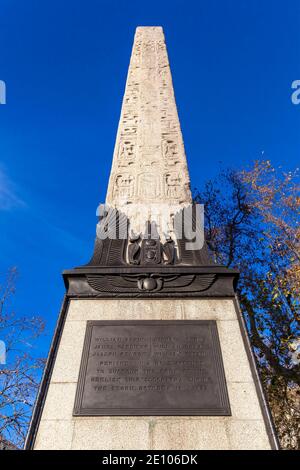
(248, 427)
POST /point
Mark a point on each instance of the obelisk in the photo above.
(150, 350)
(149, 163)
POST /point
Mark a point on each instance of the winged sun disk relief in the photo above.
(150, 282)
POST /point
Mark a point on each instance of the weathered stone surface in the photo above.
(111, 434)
(69, 353)
(134, 309)
(211, 309)
(244, 401)
(54, 435)
(247, 435)
(61, 398)
(235, 359)
(201, 434)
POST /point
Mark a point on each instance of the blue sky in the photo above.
(65, 65)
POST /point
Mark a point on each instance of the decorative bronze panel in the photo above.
(151, 368)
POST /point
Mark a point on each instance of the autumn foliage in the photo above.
(20, 375)
(252, 223)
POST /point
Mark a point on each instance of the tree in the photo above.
(252, 224)
(20, 375)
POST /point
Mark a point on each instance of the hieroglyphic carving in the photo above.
(149, 161)
(126, 152)
(123, 187)
(149, 186)
(173, 185)
(169, 149)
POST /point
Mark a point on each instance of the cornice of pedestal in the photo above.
(151, 281)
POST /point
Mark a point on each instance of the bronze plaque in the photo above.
(151, 368)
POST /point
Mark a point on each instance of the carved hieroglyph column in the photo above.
(149, 163)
